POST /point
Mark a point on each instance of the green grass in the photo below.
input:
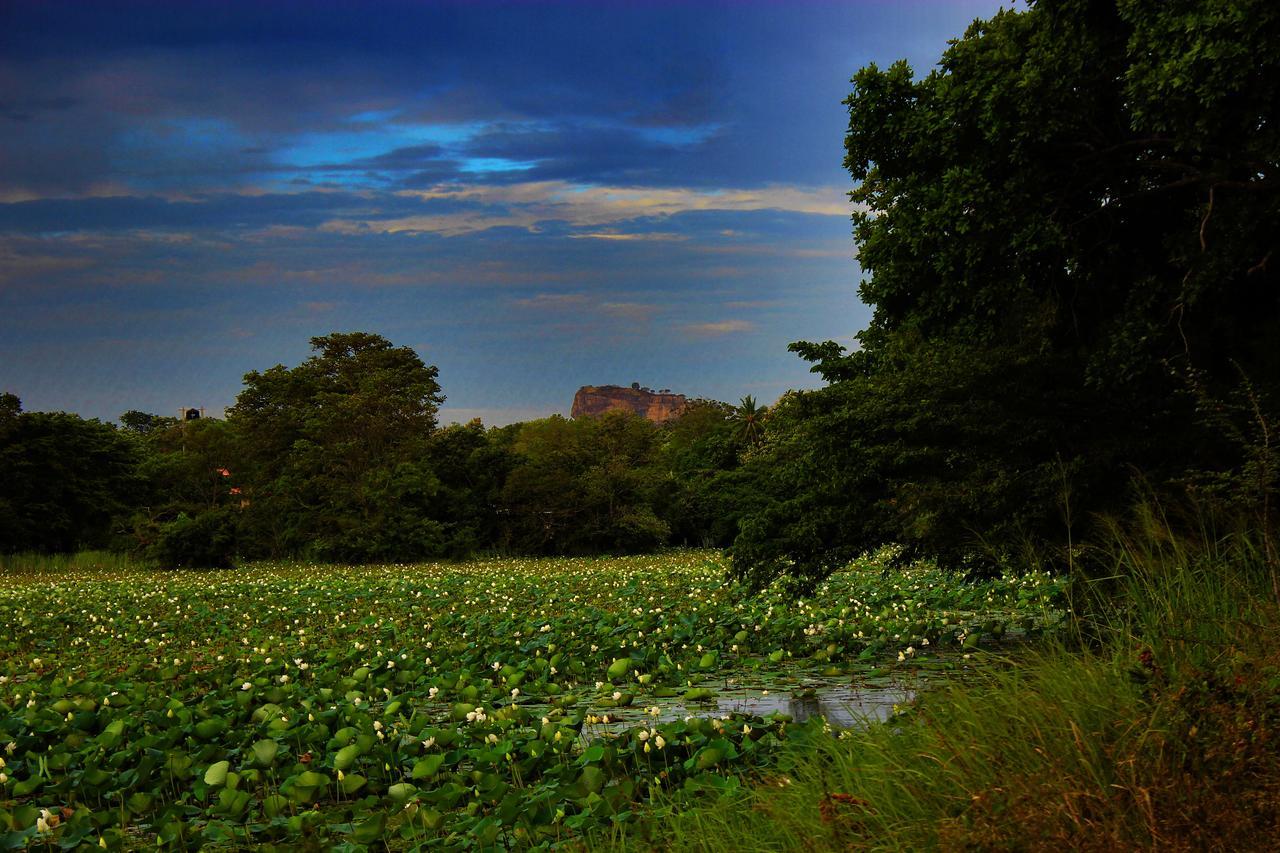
(1158, 728)
(33, 563)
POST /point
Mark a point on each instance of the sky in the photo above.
(533, 196)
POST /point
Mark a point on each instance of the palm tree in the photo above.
(750, 420)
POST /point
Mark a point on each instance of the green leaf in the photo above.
(709, 757)
(401, 791)
(264, 751)
(592, 778)
(346, 756)
(274, 805)
(217, 773)
(427, 766)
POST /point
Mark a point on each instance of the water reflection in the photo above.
(842, 706)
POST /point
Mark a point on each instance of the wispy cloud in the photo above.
(658, 236)
(718, 328)
(551, 301)
(635, 312)
(526, 205)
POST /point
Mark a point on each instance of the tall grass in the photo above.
(1163, 732)
(36, 563)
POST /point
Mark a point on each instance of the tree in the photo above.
(65, 482)
(583, 486)
(472, 465)
(191, 491)
(145, 423)
(1073, 214)
(750, 422)
(698, 457)
(335, 453)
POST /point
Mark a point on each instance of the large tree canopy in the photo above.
(336, 452)
(1068, 232)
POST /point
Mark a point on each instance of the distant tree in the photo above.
(749, 418)
(66, 482)
(335, 452)
(191, 493)
(1073, 214)
(144, 423)
(698, 448)
(583, 486)
(10, 408)
(472, 467)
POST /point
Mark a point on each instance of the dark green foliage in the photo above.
(334, 451)
(145, 423)
(583, 486)
(205, 541)
(1068, 219)
(188, 469)
(64, 480)
(705, 493)
(471, 465)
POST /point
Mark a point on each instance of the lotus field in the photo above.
(509, 703)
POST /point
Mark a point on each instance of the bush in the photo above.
(203, 541)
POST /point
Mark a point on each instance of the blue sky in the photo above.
(534, 196)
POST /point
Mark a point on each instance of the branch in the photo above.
(1205, 222)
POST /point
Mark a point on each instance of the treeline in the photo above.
(341, 459)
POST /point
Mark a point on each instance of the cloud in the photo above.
(632, 312)
(551, 301)
(526, 205)
(660, 236)
(718, 328)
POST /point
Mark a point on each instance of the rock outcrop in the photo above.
(657, 406)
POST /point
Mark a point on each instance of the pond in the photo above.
(852, 699)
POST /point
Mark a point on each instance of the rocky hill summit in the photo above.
(657, 406)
